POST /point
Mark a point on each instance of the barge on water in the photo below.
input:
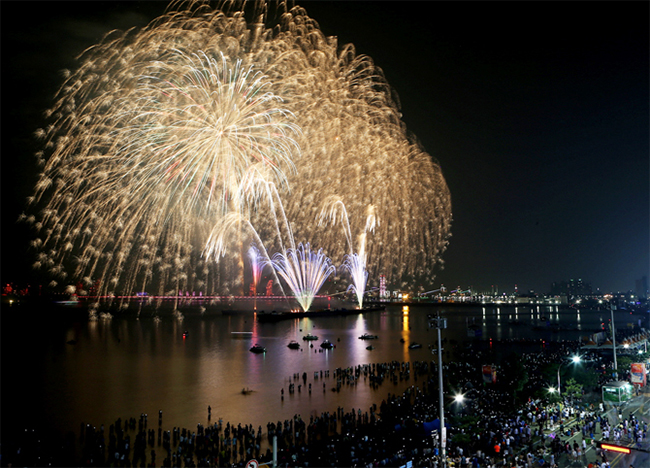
(271, 317)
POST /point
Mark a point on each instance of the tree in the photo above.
(515, 374)
(573, 389)
(624, 364)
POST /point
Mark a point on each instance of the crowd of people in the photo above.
(500, 424)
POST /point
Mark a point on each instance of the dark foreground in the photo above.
(510, 422)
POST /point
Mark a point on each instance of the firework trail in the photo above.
(257, 266)
(304, 271)
(162, 133)
(353, 262)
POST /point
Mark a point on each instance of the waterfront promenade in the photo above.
(578, 433)
(392, 433)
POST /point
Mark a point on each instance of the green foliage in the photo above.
(461, 439)
(573, 389)
(469, 424)
(624, 363)
(584, 375)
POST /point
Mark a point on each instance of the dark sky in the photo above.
(537, 112)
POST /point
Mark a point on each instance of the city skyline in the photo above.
(543, 140)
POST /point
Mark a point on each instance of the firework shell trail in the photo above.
(152, 141)
(304, 271)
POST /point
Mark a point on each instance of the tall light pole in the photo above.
(574, 360)
(440, 323)
(611, 309)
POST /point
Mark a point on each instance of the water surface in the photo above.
(127, 366)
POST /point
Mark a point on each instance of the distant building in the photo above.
(571, 288)
(642, 287)
(382, 287)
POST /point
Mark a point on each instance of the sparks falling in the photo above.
(161, 134)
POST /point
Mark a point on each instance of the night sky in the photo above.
(537, 112)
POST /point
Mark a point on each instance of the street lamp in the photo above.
(441, 323)
(574, 360)
(459, 399)
(611, 310)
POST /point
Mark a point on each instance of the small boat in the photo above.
(241, 334)
(185, 334)
(293, 345)
(370, 348)
(238, 312)
(258, 349)
(415, 346)
(326, 344)
(368, 336)
(310, 337)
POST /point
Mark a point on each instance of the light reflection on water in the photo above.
(124, 367)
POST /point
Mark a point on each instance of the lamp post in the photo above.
(574, 360)
(461, 398)
(611, 309)
(441, 323)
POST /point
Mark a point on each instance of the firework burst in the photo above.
(163, 133)
(304, 271)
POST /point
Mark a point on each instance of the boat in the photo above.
(415, 346)
(309, 337)
(327, 344)
(293, 345)
(368, 336)
(237, 312)
(241, 334)
(270, 317)
(370, 348)
(258, 349)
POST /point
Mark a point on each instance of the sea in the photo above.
(60, 371)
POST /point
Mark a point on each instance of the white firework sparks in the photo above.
(304, 271)
(162, 133)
